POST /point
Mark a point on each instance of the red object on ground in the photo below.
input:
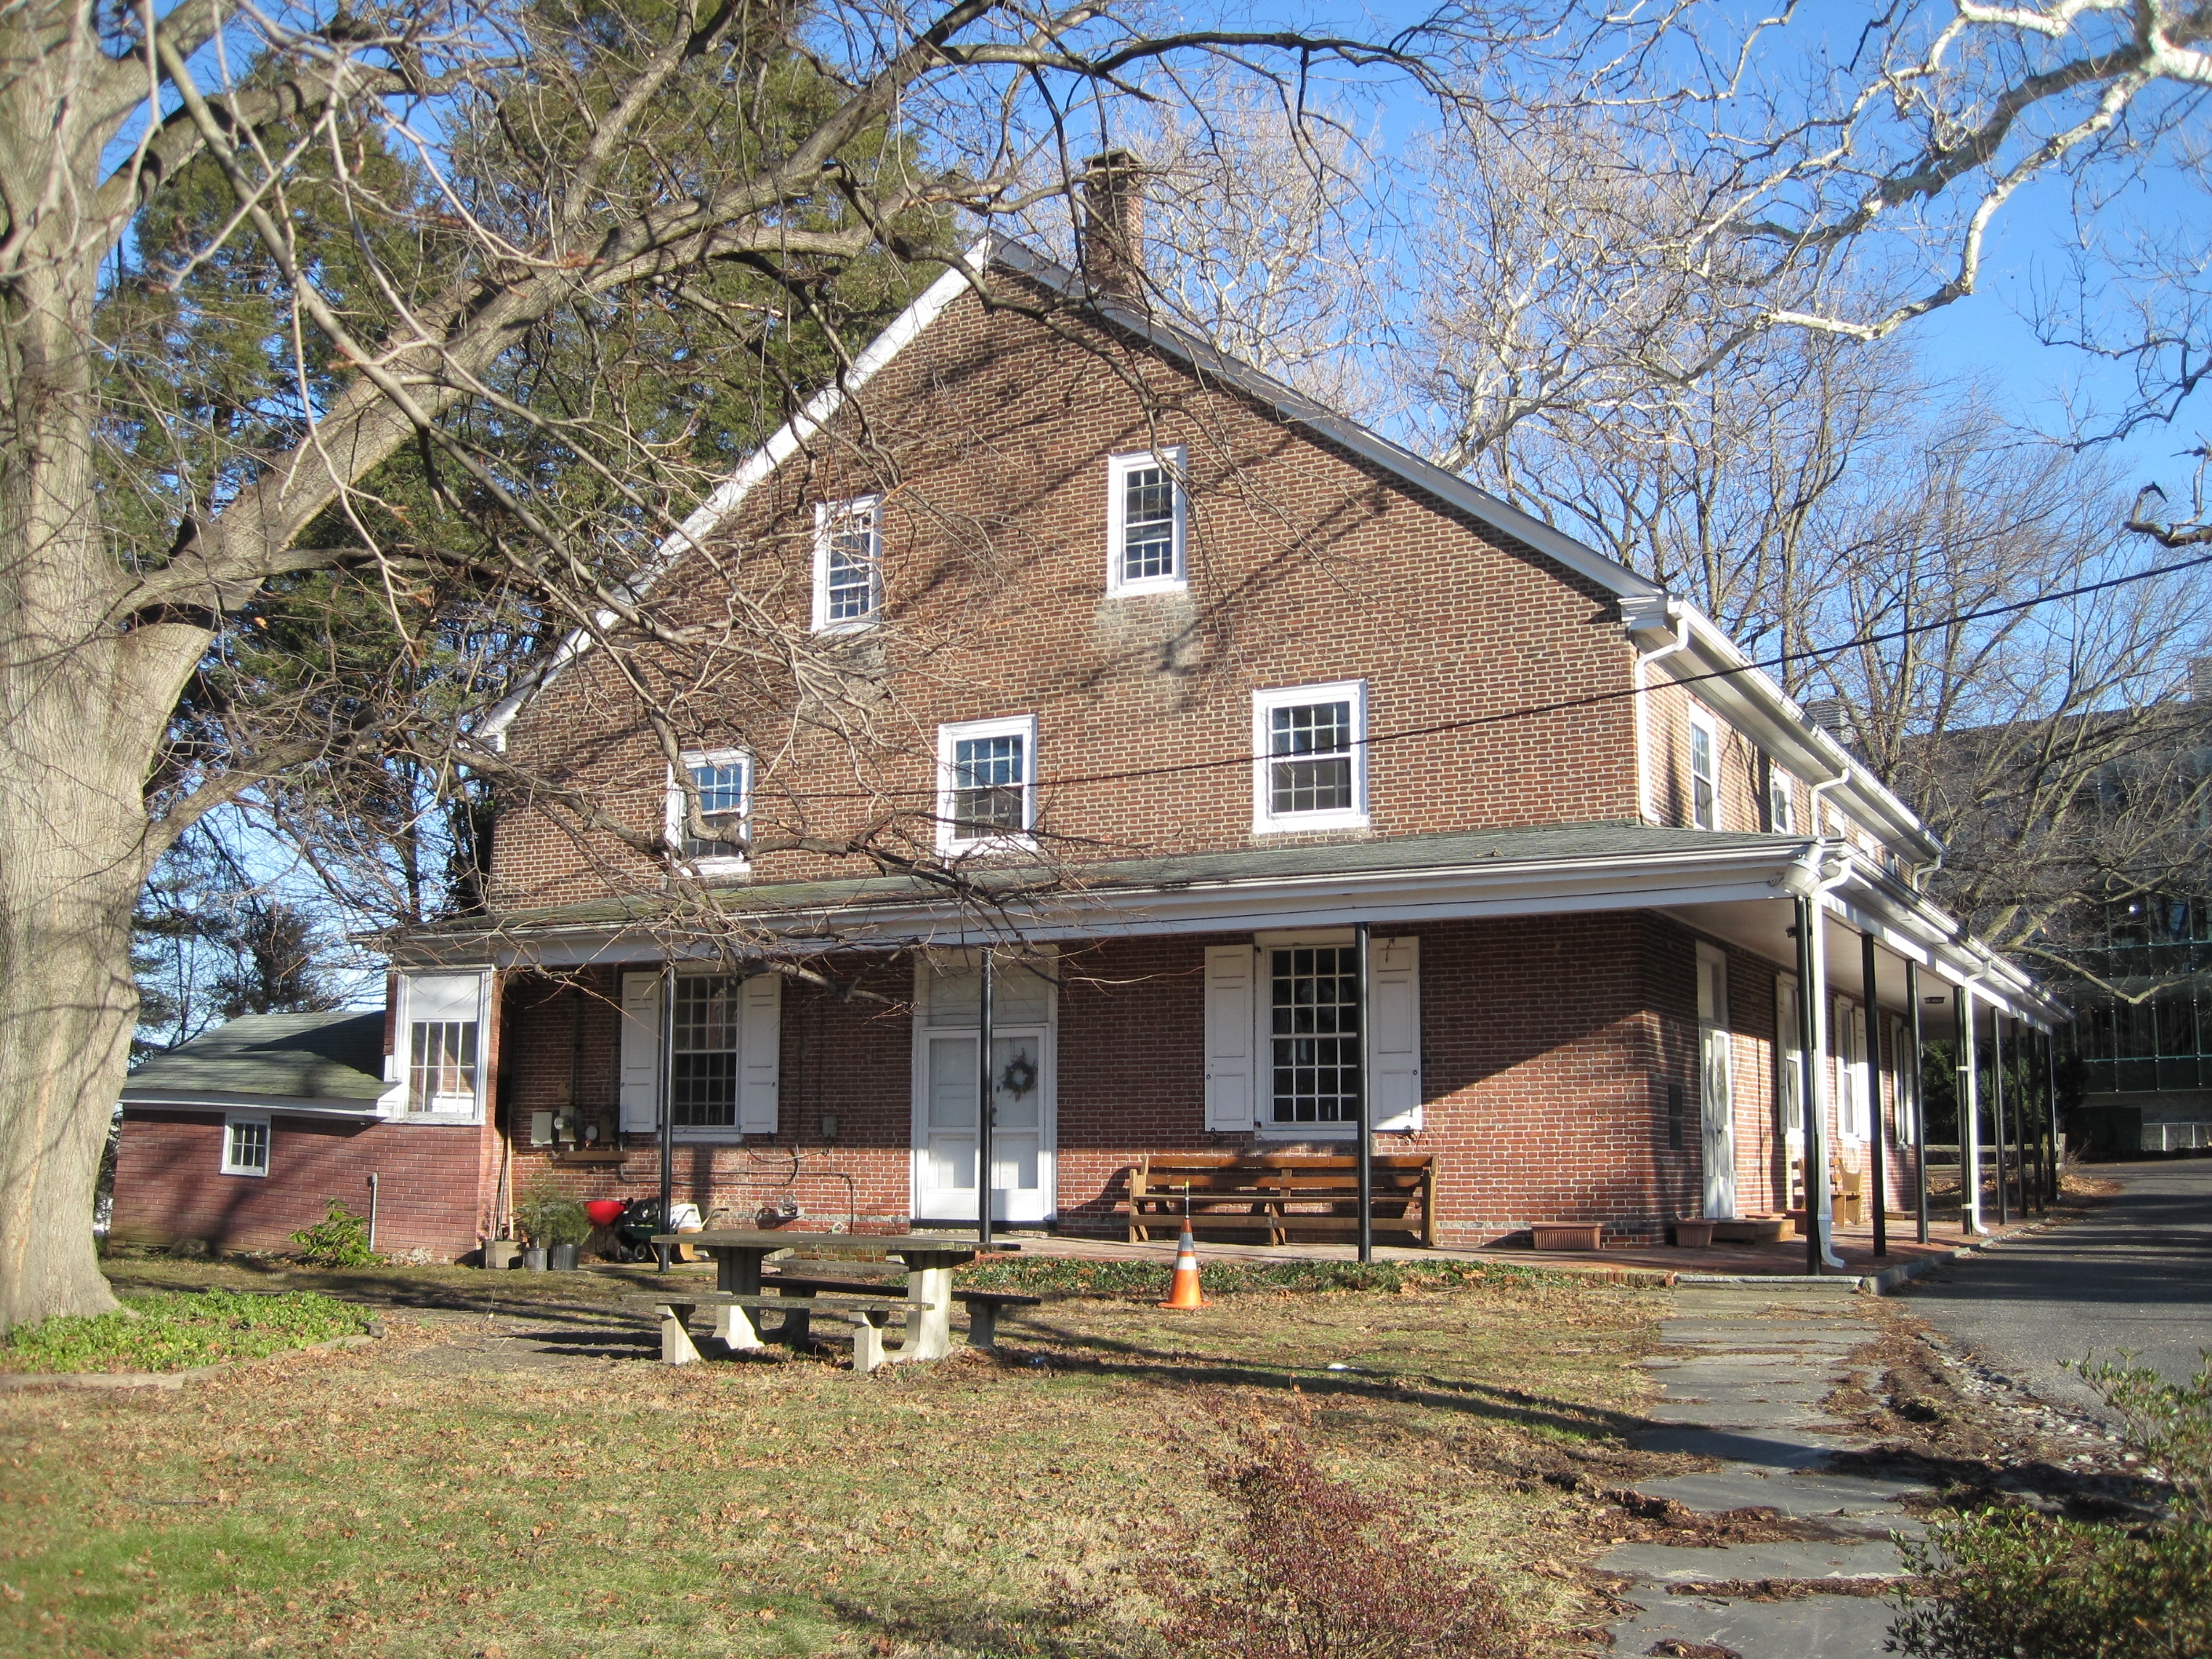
(603, 1210)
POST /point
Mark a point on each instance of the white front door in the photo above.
(1715, 1084)
(947, 1106)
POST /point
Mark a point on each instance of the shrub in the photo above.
(1319, 1571)
(550, 1218)
(2011, 1581)
(340, 1239)
(166, 1331)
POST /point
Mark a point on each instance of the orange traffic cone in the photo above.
(1184, 1292)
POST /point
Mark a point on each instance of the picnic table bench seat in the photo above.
(1273, 1193)
(866, 1314)
(982, 1306)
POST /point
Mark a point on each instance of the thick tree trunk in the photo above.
(83, 700)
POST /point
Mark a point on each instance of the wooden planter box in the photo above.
(1751, 1229)
(1692, 1235)
(1566, 1235)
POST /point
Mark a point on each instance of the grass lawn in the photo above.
(526, 1481)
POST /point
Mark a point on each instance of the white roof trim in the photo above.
(819, 411)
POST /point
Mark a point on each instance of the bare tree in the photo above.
(456, 230)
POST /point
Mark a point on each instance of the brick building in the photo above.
(1142, 670)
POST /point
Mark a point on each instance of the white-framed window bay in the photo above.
(1309, 757)
(439, 1056)
(1147, 519)
(986, 784)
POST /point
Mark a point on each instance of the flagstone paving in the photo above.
(1746, 1369)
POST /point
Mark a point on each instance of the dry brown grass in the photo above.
(537, 1487)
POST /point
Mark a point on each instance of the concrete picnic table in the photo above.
(929, 1259)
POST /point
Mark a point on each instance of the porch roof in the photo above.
(323, 1061)
(1545, 869)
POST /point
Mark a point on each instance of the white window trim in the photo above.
(1265, 1124)
(719, 865)
(1118, 468)
(825, 514)
(1023, 727)
(1700, 720)
(394, 1102)
(1266, 822)
(1781, 791)
(268, 1144)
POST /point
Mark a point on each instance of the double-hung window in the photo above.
(1310, 750)
(703, 1071)
(1313, 1019)
(1144, 516)
(443, 1011)
(722, 780)
(848, 567)
(245, 1144)
(987, 783)
(1705, 772)
(1781, 813)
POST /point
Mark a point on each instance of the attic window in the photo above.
(1145, 520)
(848, 569)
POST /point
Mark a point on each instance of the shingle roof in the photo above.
(335, 1056)
(1594, 842)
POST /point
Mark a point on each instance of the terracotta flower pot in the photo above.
(1690, 1234)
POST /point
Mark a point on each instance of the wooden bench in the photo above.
(1256, 1192)
(868, 1314)
(1846, 1190)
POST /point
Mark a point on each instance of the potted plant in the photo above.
(557, 1224)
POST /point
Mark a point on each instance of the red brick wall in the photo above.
(1547, 1043)
(1306, 564)
(168, 1184)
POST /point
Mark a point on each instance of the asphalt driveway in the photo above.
(2135, 1273)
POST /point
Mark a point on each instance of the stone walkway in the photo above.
(1746, 1369)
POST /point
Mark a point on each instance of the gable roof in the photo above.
(336, 1058)
(1746, 694)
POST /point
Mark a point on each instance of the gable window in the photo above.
(1309, 748)
(1314, 1031)
(987, 782)
(848, 570)
(245, 1145)
(1704, 772)
(442, 1012)
(723, 781)
(1144, 523)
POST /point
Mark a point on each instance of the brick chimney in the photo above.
(2200, 679)
(1109, 241)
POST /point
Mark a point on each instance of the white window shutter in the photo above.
(760, 1053)
(640, 1053)
(1230, 1020)
(1393, 1003)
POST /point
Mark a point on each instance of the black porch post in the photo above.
(663, 1088)
(2050, 1096)
(1919, 1105)
(1874, 1089)
(986, 1108)
(1816, 1151)
(1997, 1112)
(1364, 1156)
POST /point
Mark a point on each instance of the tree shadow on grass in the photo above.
(1007, 1630)
(1089, 1354)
